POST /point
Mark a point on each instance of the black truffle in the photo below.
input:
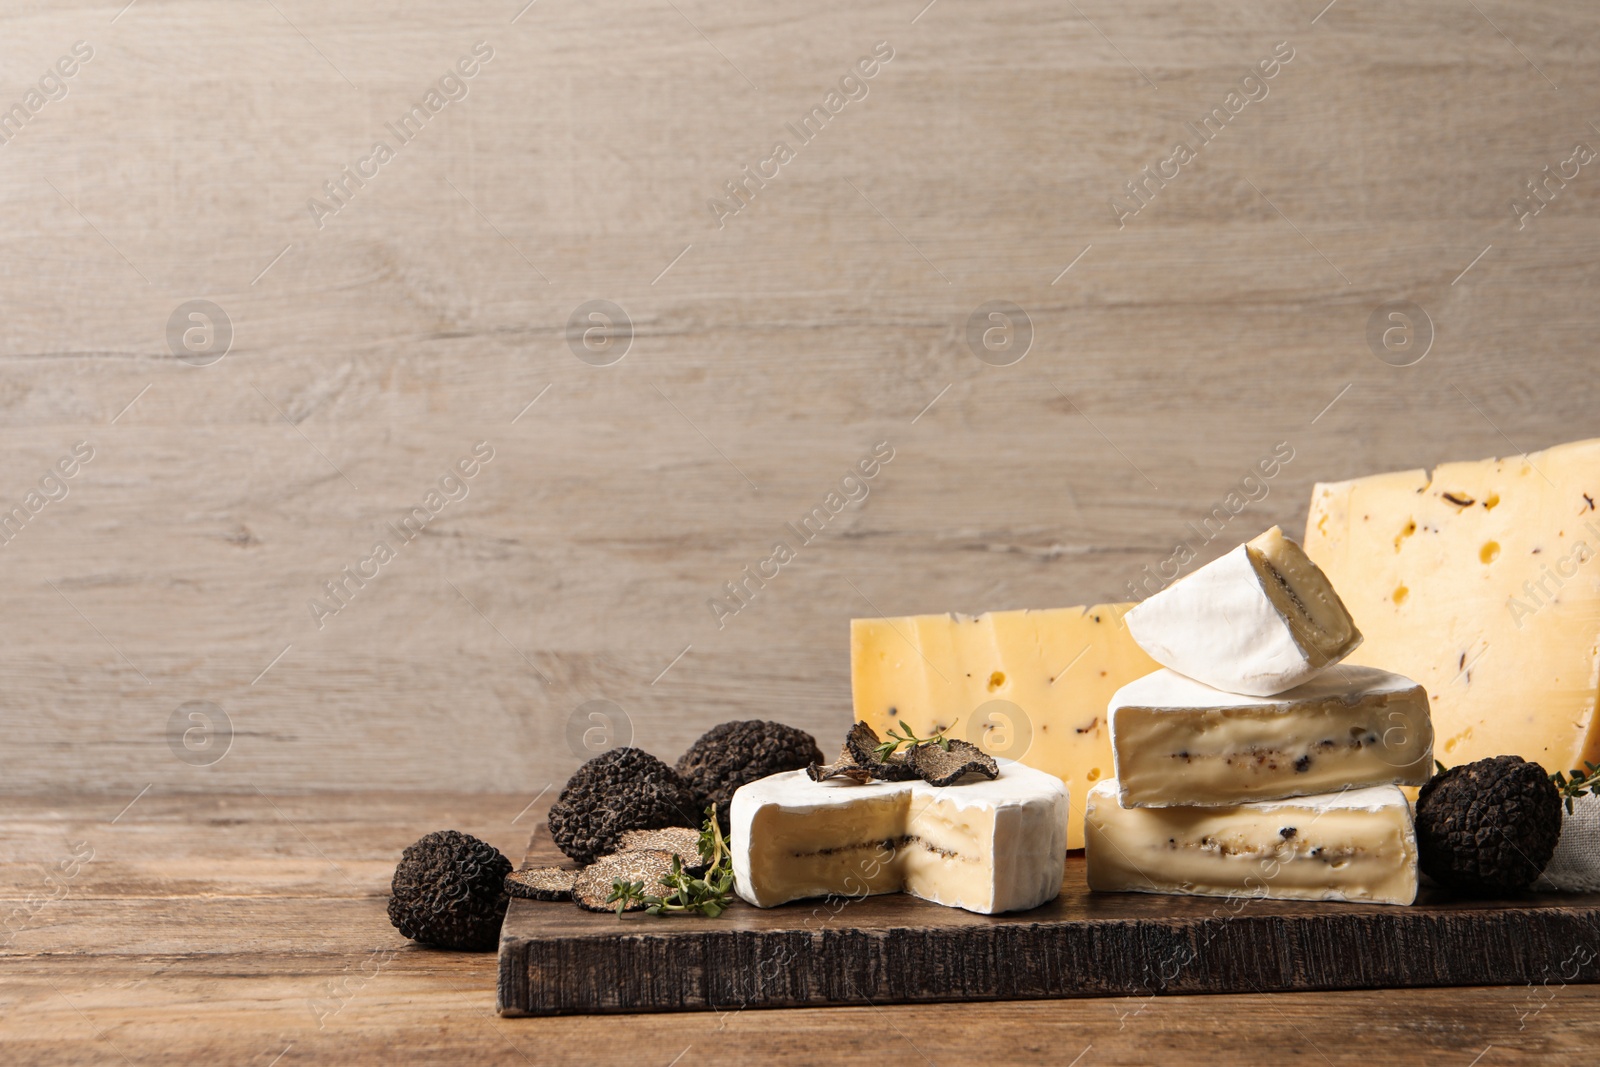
(843, 767)
(595, 884)
(449, 891)
(738, 753)
(617, 791)
(862, 744)
(1489, 827)
(939, 765)
(678, 841)
(542, 883)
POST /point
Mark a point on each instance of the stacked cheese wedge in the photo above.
(1254, 763)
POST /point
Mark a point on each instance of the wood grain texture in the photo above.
(828, 315)
(558, 959)
(234, 929)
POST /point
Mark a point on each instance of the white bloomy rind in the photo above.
(1179, 741)
(985, 846)
(1222, 626)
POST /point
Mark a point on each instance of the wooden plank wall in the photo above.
(772, 349)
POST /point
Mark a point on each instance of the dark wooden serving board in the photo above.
(556, 959)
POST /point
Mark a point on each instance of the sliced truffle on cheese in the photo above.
(1178, 741)
(1355, 845)
(1028, 685)
(1258, 621)
(985, 846)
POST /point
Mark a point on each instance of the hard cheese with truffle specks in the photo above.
(985, 846)
(1024, 685)
(1259, 620)
(1480, 582)
(1356, 845)
(1179, 741)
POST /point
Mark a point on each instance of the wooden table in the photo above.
(250, 929)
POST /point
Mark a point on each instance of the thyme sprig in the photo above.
(708, 895)
(911, 740)
(1575, 783)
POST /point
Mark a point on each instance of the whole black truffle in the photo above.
(617, 791)
(1489, 827)
(449, 891)
(738, 753)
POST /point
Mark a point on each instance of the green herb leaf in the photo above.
(910, 740)
(708, 895)
(1575, 783)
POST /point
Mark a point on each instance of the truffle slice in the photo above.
(542, 883)
(617, 791)
(449, 891)
(678, 841)
(862, 744)
(938, 765)
(593, 886)
(1488, 828)
(843, 767)
(740, 752)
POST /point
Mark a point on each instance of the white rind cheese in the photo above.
(1479, 580)
(1259, 620)
(985, 846)
(1357, 845)
(1179, 741)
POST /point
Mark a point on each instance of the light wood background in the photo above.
(424, 317)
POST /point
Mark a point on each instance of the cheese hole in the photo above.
(1400, 594)
(1410, 528)
(1094, 774)
(996, 680)
(1489, 552)
(1491, 500)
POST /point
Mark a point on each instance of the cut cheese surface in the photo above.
(1024, 685)
(985, 846)
(1355, 845)
(1260, 619)
(1480, 582)
(1179, 741)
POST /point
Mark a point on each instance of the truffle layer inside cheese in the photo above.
(1356, 845)
(1024, 685)
(1304, 597)
(1481, 581)
(986, 846)
(1259, 620)
(1178, 741)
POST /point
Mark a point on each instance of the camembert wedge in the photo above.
(1259, 620)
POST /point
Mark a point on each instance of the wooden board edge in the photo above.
(731, 970)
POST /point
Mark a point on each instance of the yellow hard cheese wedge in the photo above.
(1025, 685)
(1480, 582)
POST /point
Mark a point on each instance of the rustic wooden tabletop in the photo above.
(250, 929)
